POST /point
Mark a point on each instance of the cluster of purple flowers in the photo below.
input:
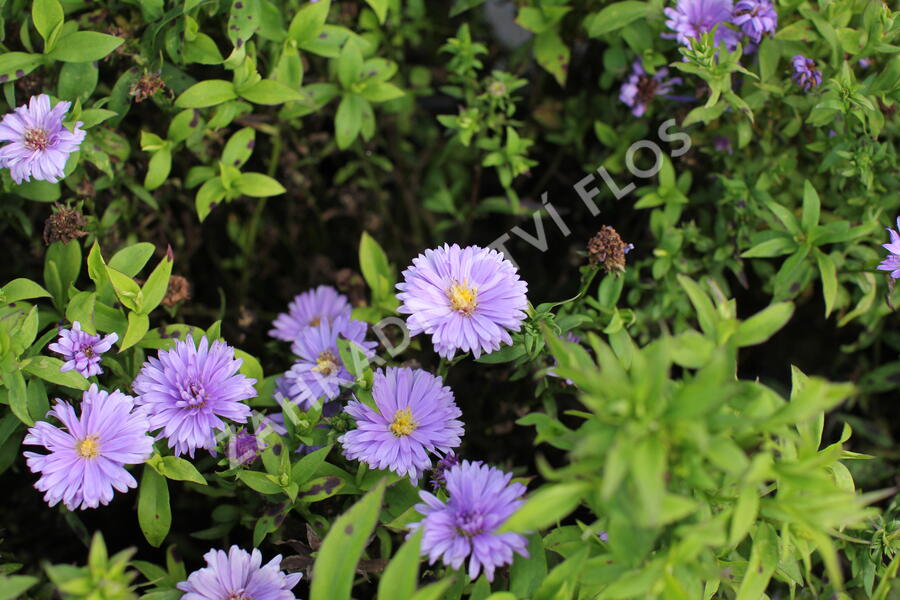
(692, 18)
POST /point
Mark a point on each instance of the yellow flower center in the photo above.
(326, 364)
(88, 447)
(403, 423)
(314, 322)
(463, 298)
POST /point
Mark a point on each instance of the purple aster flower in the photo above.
(466, 298)
(892, 261)
(87, 459)
(865, 63)
(416, 415)
(481, 499)
(188, 390)
(806, 75)
(244, 448)
(319, 370)
(239, 575)
(692, 18)
(81, 350)
(308, 310)
(640, 89)
(39, 145)
(722, 144)
(755, 18)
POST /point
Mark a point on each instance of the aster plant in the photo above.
(806, 75)
(309, 309)
(38, 145)
(689, 19)
(415, 416)
(87, 456)
(756, 18)
(892, 261)
(319, 371)
(640, 88)
(189, 390)
(466, 299)
(481, 499)
(81, 350)
(239, 575)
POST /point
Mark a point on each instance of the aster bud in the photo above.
(608, 249)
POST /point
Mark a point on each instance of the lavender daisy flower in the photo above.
(806, 75)
(320, 370)
(81, 350)
(892, 261)
(755, 18)
(239, 575)
(481, 499)
(439, 475)
(640, 89)
(416, 415)
(308, 310)
(189, 390)
(87, 460)
(466, 298)
(244, 448)
(38, 145)
(692, 18)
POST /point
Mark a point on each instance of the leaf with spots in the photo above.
(335, 567)
(553, 55)
(243, 21)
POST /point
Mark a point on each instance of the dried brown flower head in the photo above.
(607, 249)
(64, 225)
(179, 290)
(147, 85)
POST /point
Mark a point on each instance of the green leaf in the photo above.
(130, 260)
(349, 64)
(376, 270)
(706, 312)
(21, 289)
(207, 93)
(61, 268)
(270, 92)
(158, 168)
(545, 507)
(380, 7)
(381, 92)
(127, 290)
(402, 573)
(777, 246)
(306, 467)
(208, 196)
(828, 274)
(154, 289)
(526, 574)
(615, 16)
(47, 368)
(335, 566)
(17, 395)
(348, 120)
(257, 185)
(47, 16)
(811, 207)
(175, 468)
(84, 46)
(239, 147)
(308, 21)
(553, 55)
(138, 325)
(15, 65)
(259, 482)
(14, 586)
(744, 515)
(154, 513)
(763, 325)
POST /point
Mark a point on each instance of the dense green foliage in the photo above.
(726, 425)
